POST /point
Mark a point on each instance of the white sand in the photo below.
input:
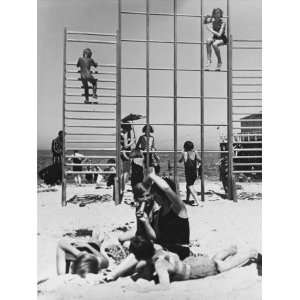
(218, 224)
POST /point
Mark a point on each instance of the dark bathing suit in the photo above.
(216, 25)
(174, 233)
(77, 160)
(190, 169)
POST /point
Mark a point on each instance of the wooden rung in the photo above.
(92, 103)
(253, 171)
(247, 142)
(92, 41)
(247, 164)
(89, 126)
(90, 142)
(247, 120)
(93, 156)
(104, 165)
(98, 80)
(91, 111)
(248, 149)
(90, 134)
(90, 119)
(247, 156)
(90, 172)
(90, 149)
(82, 95)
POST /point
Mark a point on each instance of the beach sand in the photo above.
(218, 224)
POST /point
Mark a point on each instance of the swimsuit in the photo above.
(216, 25)
(190, 168)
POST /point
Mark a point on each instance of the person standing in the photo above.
(57, 148)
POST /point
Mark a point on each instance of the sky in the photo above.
(102, 16)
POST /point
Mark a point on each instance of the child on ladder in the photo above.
(218, 39)
(85, 63)
(190, 159)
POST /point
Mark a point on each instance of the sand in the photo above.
(218, 224)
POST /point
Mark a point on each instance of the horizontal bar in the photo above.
(102, 96)
(247, 149)
(92, 103)
(99, 65)
(90, 134)
(92, 41)
(248, 134)
(93, 156)
(178, 124)
(94, 73)
(247, 70)
(90, 33)
(90, 142)
(247, 48)
(90, 126)
(247, 127)
(90, 87)
(246, 142)
(247, 77)
(248, 41)
(247, 164)
(247, 105)
(253, 171)
(247, 99)
(90, 172)
(246, 156)
(161, 14)
(162, 42)
(247, 84)
(98, 80)
(91, 111)
(104, 165)
(171, 97)
(91, 149)
(247, 120)
(247, 92)
(90, 119)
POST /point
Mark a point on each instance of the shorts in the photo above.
(201, 266)
(223, 38)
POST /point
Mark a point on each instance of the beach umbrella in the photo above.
(132, 117)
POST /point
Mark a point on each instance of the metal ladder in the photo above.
(93, 128)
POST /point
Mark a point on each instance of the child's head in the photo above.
(87, 52)
(141, 248)
(151, 130)
(188, 146)
(217, 13)
(84, 264)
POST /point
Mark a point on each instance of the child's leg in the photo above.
(235, 261)
(76, 179)
(193, 192)
(79, 179)
(216, 44)
(94, 83)
(187, 194)
(86, 88)
(208, 48)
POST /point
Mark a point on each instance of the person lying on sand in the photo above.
(169, 267)
(82, 257)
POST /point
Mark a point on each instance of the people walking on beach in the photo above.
(216, 26)
(142, 145)
(57, 148)
(190, 159)
(77, 159)
(84, 64)
(168, 266)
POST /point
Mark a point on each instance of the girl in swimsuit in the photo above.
(190, 159)
(217, 28)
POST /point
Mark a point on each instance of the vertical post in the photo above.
(202, 106)
(231, 187)
(175, 91)
(64, 181)
(147, 83)
(117, 187)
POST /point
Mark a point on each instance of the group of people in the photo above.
(159, 247)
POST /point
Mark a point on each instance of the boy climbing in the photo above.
(85, 63)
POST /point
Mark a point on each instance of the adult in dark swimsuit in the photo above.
(218, 39)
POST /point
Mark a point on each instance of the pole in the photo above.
(117, 187)
(147, 83)
(231, 187)
(64, 181)
(175, 92)
(202, 107)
